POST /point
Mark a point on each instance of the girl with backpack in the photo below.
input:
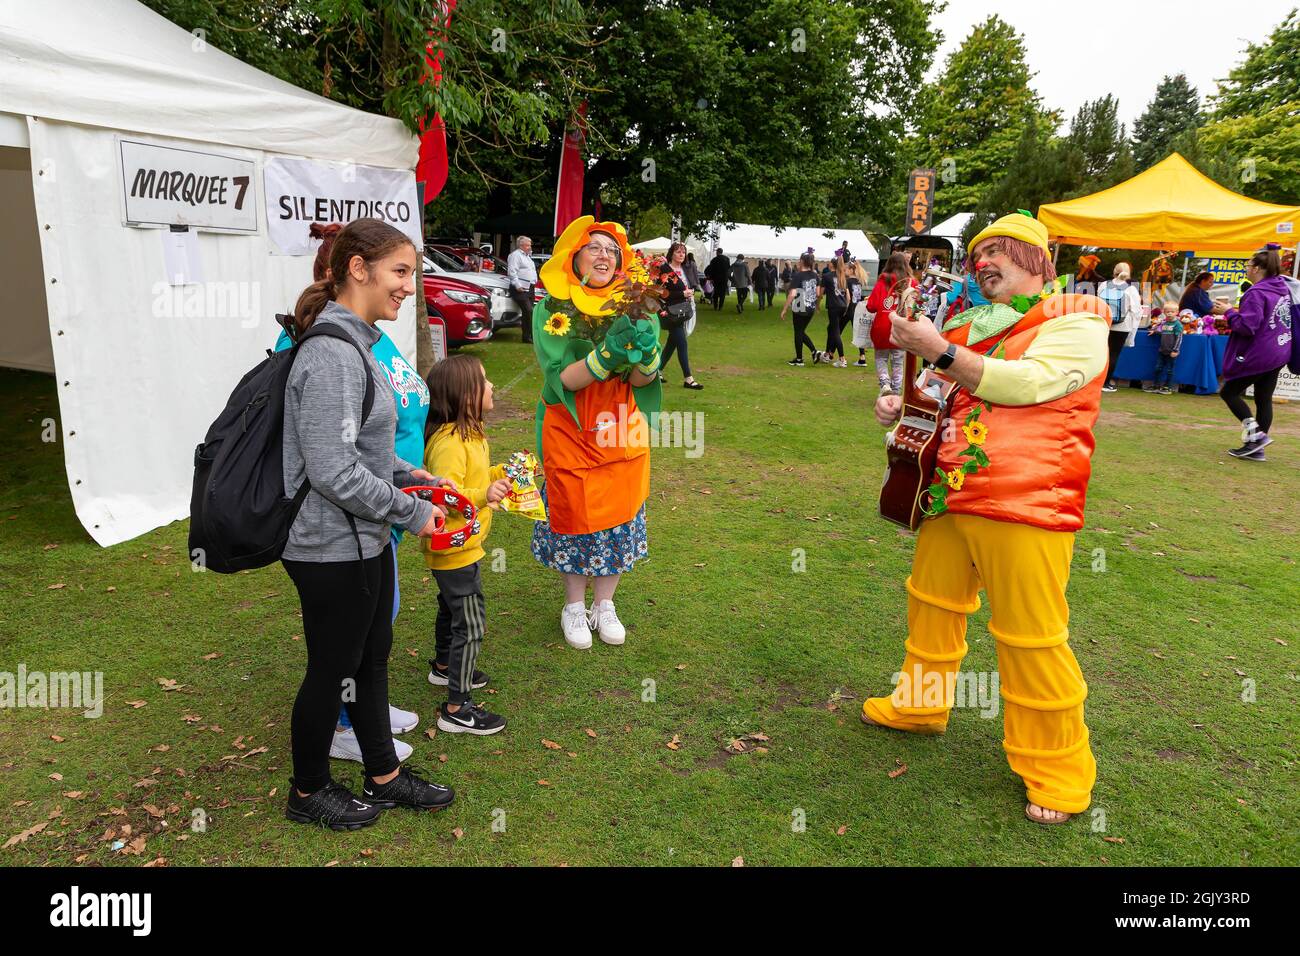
(882, 301)
(1125, 308)
(339, 549)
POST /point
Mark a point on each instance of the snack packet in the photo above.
(524, 496)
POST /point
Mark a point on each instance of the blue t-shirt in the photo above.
(410, 395)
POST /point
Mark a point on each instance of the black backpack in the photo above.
(239, 515)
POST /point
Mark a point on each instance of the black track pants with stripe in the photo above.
(458, 631)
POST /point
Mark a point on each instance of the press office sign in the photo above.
(169, 186)
(920, 201)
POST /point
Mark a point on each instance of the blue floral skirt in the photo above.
(612, 551)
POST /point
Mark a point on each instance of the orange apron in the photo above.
(597, 477)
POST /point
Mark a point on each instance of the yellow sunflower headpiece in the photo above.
(560, 273)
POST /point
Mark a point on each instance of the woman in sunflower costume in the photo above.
(600, 379)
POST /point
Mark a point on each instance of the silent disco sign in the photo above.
(171, 186)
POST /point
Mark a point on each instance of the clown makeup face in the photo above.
(999, 278)
(598, 260)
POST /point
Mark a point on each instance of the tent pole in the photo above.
(1185, 261)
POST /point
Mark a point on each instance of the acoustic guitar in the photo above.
(912, 446)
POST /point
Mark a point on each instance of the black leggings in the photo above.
(676, 343)
(834, 326)
(801, 337)
(1264, 383)
(349, 635)
(1116, 344)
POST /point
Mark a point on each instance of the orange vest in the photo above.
(596, 480)
(1039, 455)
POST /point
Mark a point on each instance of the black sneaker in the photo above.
(470, 719)
(332, 806)
(798, 362)
(440, 678)
(407, 789)
(692, 385)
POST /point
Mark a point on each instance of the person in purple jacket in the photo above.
(1259, 344)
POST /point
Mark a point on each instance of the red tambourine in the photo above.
(440, 540)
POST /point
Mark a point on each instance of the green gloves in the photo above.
(625, 344)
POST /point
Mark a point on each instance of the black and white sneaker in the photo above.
(798, 362)
(470, 719)
(407, 789)
(440, 679)
(1252, 450)
(332, 806)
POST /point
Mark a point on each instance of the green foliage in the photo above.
(1267, 78)
(1175, 109)
(973, 118)
(1256, 154)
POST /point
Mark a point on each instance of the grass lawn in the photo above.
(1200, 593)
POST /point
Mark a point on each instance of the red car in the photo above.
(473, 259)
(463, 307)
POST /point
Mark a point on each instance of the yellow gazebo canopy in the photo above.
(1171, 206)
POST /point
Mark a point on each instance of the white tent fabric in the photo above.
(143, 366)
(658, 245)
(765, 242)
(951, 228)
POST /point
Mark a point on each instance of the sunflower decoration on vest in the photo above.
(601, 307)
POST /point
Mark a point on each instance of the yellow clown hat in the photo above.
(560, 275)
(1018, 225)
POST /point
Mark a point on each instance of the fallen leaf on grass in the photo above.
(26, 835)
(49, 547)
(136, 704)
(431, 732)
(56, 777)
(543, 783)
(681, 667)
(191, 718)
(153, 811)
(367, 852)
(550, 744)
(158, 861)
(458, 833)
(74, 794)
(56, 738)
(332, 863)
(1279, 640)
(842, 830)
(56, 587)
(160, 748)
(1113, 839)
(736, 747)
(145, 782)
(590, 733)
(442, 758)
(738, 861)
(675, 743)
(135, 847)
(899, 770)
(212, 657)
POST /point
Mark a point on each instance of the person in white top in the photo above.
(523, 278)
(1125, 303)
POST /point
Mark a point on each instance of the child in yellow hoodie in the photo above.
(460, 395)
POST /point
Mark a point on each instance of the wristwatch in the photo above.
(947, 358)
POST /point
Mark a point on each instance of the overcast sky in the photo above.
(1084, 49)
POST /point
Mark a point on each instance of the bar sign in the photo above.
(920, 201)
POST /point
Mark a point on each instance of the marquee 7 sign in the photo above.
(920, 201)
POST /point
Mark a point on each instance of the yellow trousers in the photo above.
(1024, 571)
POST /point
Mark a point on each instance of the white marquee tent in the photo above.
(765, 242)
(656, 246)
(147, 304)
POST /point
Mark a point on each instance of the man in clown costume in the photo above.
(1015, 464)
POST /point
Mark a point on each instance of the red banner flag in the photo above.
(431, 168)
(568, 191)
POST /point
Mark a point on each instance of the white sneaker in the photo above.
(603, 617)
(577, 631)
(402, 720)
(345, 747)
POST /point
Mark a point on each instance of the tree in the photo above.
(1267, 78)
(972, 118)
(1175, 108)
(772, 111)
(1097, 140)
(1258, 155)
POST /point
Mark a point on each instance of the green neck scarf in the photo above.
(985, 321)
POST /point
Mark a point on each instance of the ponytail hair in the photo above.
(1268, 260)
(371, 239)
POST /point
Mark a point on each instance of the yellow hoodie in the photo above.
(467, 464)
